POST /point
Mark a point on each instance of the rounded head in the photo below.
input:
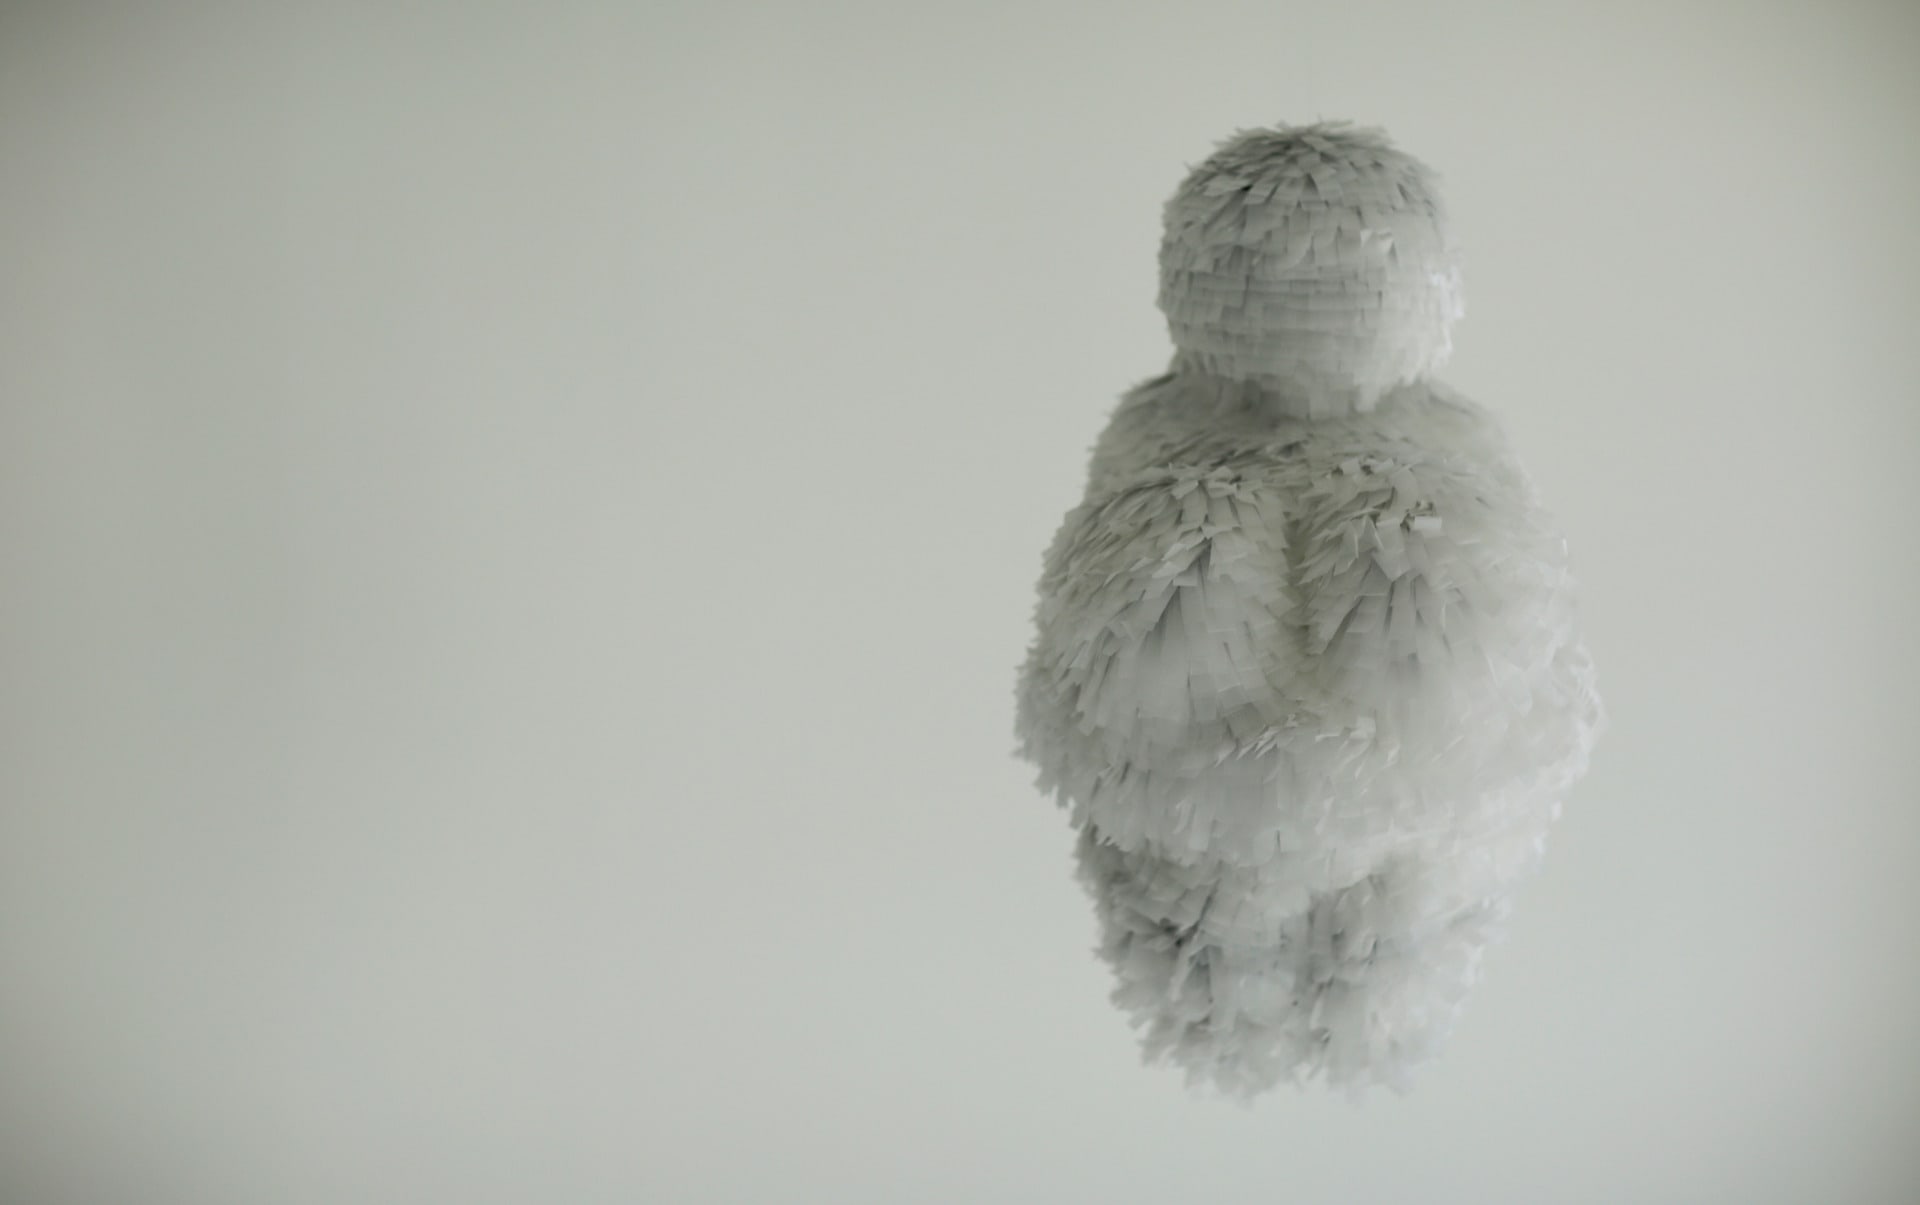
(1314, 260)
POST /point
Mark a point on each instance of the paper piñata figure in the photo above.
(1307, 673)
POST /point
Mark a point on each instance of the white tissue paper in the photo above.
(1306, 672)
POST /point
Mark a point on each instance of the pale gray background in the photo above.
(518, 525)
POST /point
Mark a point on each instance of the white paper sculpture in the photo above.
(1306, 668)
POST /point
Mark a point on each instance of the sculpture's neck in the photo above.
(1297, 395)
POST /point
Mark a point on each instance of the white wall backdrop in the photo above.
(519, 522)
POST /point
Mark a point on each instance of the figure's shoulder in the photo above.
(1432, 420)
(1440, 411)
(1424, 441)
(1153, 403)
(1445, 396)
(1184, 421)
(1179, 419)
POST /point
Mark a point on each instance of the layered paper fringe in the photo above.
(1313, 260)
(1306, 672)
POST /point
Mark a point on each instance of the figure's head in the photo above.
(1312, 259)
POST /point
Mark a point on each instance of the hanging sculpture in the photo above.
(1306, 671)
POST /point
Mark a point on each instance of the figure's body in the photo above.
(1306, 670)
